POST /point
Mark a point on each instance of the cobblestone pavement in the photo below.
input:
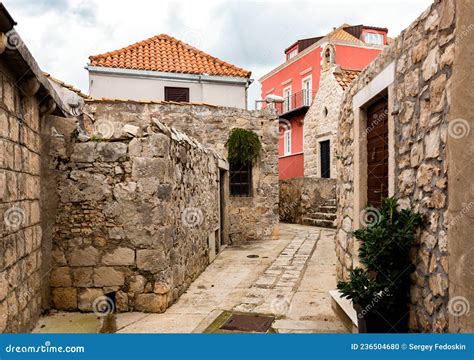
(289, 277)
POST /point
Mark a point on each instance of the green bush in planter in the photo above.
(382, 286)
(243, 146)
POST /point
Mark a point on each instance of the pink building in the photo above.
(297, 81)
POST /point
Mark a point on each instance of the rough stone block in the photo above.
(87, 297)
(151, 260)
(151, 303)
(119, 257)
(111, 151)
(84, 152)
(108, 276)
(61, 277)
(82, 277)
(84, 257)
(136, 284)
(143, 167)
(64, 298)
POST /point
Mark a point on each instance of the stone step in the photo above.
(327, 209)
(318, 222)
(331, 202)
(322, 216)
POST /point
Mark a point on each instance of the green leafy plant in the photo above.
(384, 253)
(243, 146)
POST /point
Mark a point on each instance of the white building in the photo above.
(164, 68)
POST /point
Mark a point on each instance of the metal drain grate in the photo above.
(248, 323)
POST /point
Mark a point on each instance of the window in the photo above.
(177, 94)
(329, 57)
(307, 98)
(325, 159)
(292, 53)
(287, 99)
(241, 179)
(373, 38)
(287, 142)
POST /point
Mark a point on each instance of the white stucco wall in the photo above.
(152, 88)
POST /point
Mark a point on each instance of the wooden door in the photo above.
(377, 152)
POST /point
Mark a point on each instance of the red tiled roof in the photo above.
(167, 54)
(345, 77)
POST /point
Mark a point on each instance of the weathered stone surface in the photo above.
(161, 288)
(120, 256)
(108, 276)
(64, 298)
(84, 257)
(111, 151)
(82, 277)
(61, 277)
(151, 303)
(84, 152)
(151, 260)
(137, 284)
(87, 297)
(431, 64)
(148, 167)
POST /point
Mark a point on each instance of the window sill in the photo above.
(290, 155)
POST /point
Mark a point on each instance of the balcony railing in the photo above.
(297, 101)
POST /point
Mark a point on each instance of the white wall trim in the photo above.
(166, 75)
(378, 84)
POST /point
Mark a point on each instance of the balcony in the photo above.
(295, 104)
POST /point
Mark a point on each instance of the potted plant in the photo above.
(380, 289)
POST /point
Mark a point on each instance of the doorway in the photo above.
(377, 152)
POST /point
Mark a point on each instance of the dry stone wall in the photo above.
(133, 220)
(300, 198)
(250, 218)
(20, 228)
(424, 55)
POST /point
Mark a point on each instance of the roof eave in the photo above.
(168, 75)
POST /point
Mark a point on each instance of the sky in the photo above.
(62, 34)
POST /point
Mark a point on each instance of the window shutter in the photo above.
(177, 94)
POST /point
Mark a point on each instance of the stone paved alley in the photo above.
(290, 278)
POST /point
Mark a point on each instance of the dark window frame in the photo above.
(183, 97)
(325, 158)
(240, 179)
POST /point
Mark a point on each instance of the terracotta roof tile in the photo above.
(341, 34)
(167, 54)
(346, 77)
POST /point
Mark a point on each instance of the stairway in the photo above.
(323, 215)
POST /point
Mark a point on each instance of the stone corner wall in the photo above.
(250, 218)
(320, 122)
(424, 55)
(21, 281)
(133, 221)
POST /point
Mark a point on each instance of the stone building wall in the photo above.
(320, 123)
(420, 100)
(301, 198)
(250, 218)
(20, 230)
(133, 219)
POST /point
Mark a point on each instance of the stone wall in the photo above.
(20, 230)
(419, 99)
(320, 123)
(251, 218)
(133, 219)
(301, 198)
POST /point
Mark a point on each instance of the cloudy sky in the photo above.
(62, 34)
